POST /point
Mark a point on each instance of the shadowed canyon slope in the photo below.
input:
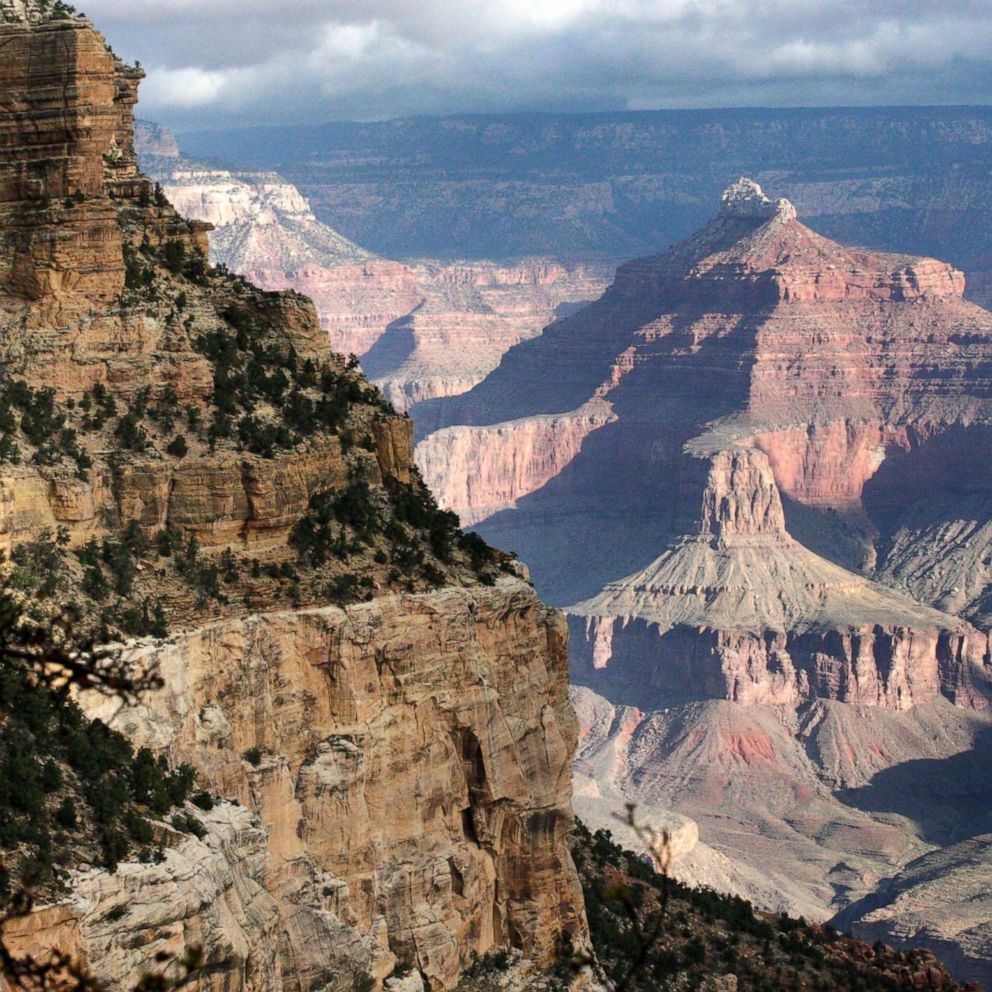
(754, 473)
(376, 705)
(422, 329)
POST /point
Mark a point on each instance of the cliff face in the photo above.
(412, 789)
(772, 552)
(482, 470)
(54, 145)
(378, 706)
(422, 329)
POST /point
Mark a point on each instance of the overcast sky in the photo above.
(219, 62)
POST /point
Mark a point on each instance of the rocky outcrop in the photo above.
(773, 553)
(377, 707)
(412, 789)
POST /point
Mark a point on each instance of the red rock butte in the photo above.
(755, 473)
(763, 397)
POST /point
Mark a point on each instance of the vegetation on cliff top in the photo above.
(73, 792)
(265, 400)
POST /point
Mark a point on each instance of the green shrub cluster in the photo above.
(322, 532)
(34, 414)
(252, 374)
(98, 406)
(340, 523)
(189, 824)
(39, 565)
(202, 575)
(140, 265)
(139, 276)
(109, 569)
(706, 933)
(418, 523)
(68, 783)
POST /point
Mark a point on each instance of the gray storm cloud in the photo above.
(274, 60)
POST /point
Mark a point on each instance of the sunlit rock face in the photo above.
(422, 329)
(390, 770)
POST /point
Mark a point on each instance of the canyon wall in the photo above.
(409, 803)
(376, 709)
(616, 185)
(772, 553)
(422, 329)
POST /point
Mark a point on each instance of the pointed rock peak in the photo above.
(746, 199)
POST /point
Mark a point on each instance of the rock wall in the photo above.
(413, 789)
(391, 777)
(481, 470)
(423, 329)
(633, 659)
(43, 167)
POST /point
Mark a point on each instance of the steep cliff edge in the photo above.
(411, 782)
(375, 706)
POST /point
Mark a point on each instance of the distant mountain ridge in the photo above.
(619, 185)
(422, 329)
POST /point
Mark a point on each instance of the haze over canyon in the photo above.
(791, 625)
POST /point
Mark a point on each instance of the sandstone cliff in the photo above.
(410, 799)
(376, 704)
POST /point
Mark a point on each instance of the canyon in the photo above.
(771, 544)
(421, 328)
(617, 185)
(748, 471)
(374, 706)
(730, 430)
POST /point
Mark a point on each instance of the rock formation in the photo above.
(782, 522)
(377, 705)
(397, 814)
(943, 898)
(421, 328)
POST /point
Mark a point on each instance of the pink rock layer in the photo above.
(891, 667)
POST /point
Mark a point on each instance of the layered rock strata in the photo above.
(378, 707)
(621, 184)
(412, 790)
(773, 552)
(742, 611)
